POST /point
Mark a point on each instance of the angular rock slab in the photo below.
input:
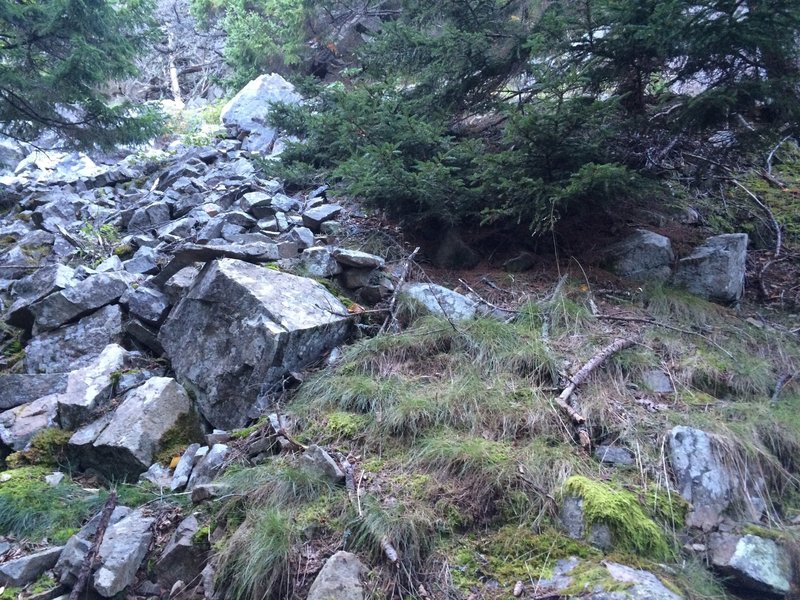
(439, 300)
(241, 328)
(122, 552)
(716, 270)
(19, 425)
(756, 563)
(74, 346)
(27, 569)
(133, 436)
(702, 478)
(340, 578)
(19, 389)
(642, 256)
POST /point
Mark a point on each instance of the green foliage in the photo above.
(620, 510)
(48, 448)
(56, 54)
(261, 35)
(31, 508)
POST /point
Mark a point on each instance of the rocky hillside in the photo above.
(212, 389)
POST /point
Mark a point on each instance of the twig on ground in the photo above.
(775, 225)
(783, 381)
(486, 302)
(390, 318)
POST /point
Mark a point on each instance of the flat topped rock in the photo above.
(241, 328)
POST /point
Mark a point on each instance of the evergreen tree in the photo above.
(54, 57)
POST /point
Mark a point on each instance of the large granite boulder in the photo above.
(241, 328)
(716, 270)
(339, 579)
(642, 256)
(753, 562)
(702, 478)
(125, 447)
(248, 111)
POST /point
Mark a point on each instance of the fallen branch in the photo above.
(91, 556)
(784, 380)
(650, 321)
(393, 300)
(486, 302)
(775, 225)
(771, 155)
(584, 372)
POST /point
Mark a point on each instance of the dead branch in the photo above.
(584, 372)
(775, 225)
(650, 321)
(486, 302)
(771, 155)
(91, 556)
(390, 318)
(783, 381)
(295, 445)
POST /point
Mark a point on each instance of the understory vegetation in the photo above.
(460, 457)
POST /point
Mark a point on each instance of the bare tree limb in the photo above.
(775, 225)
(393, 301)
(91, 556)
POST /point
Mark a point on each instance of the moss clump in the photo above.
(346, 424)
(622, 512)
(47, 448)
(32, 508)
(513, 554)
(175, 440)
(124, 250)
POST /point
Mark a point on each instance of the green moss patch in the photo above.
(175, 440)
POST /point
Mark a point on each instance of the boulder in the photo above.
(315, 217)
(573, 521)
(184, 468)
(71, 559)
(17, 389)
(339, 579)
(318, 262)
(644, 256)
(439, 300)
(27, 569)
(19, 259)
(149, 217)
(610, 581)
(19, 425)
(147, 304)
(91, 388)
(657, 381)
(753, 562)
(121, 553)
(34, 287)
(74, 346)
(701, 476)
(241, 329)
(248, 111)
(716, 270)
(356, 258)
(208, 466)
(126, 446)
(317, 459)
(181, 559)
(614, 455)
(80, 299)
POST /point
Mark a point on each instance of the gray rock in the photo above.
(248, 111)
(439, 300)
(27, 254)
(315, 217)
(657, 381)
(71, 559)
(643, 256)
(755, 563)
(573, 522)
(358, 259)
(54, 478)
(34, 287)
(27, 569)
(181, 559)
(61, 211)
(147, 304)
(184, 468)
(149, 218)
(241, 329)
(319, 460)
(454, 253)
(209, 465)
(91, 388)
(16, 390)
(614, 455)
(177, 285)
(702, 478)
(112, 263)
(258, 204)
(353, 278)
(82, 298)
(143, 262)
(339, 579)
(122, 551)
(318, 262)
(207, 491)
(133, 436)
(19, 425)
(158, 475)
(716, 270)
(74, 346)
